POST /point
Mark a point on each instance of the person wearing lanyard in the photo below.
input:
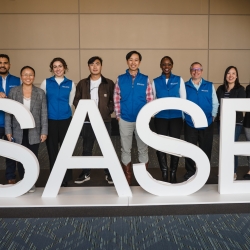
(60, 93)
(231, 88)
(100, 89)
(34, 100)
(202, 93)
(168, 122)
(7, 82)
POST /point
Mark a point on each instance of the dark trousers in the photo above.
(56, 133)
(34, 148)
(204, 137)
(237, 132)
(170, 127)
(10, 172)
(89, 138)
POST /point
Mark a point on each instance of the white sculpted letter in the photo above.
(171, 146)
(66, 160)
(18, 152)
(229, 148)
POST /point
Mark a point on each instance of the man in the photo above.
(100, 89)
(202, 93)
(132, 91)
(7, 81)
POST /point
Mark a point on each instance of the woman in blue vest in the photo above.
(231, 88)
(60, 93)
(168, 122)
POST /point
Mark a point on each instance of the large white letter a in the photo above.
(66, 160)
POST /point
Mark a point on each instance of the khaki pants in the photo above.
(126, 133)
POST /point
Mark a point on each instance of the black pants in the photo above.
(34, 148)
(169, 127)
(10, 172)
(204, 137)
(56, 133)
(89, 138)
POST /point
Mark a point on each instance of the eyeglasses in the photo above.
(196, 69)
(26, 75)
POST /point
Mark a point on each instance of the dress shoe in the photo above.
(64, 184)
(188, 175)
(246, 176)
(12, 181)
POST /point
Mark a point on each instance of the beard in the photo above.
(3, 71)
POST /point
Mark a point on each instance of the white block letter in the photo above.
(229, 148)
(18, 152)
(65, 159)
(172, 146)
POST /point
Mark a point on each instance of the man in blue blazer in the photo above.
(7, 81)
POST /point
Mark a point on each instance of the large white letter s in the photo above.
(18, 152)
(171, 146)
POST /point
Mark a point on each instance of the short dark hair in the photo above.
(133, 52)
(92, 59)
(5, 56)
(191, 66)
(59, 59)
(27, 67)
(237, 81)
(169, 58)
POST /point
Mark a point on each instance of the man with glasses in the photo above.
(100, 89)
(203, 94)
(7, 81)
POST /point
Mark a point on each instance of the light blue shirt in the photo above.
(214, 98)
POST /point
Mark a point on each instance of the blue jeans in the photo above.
(237, 132)
(10, 164)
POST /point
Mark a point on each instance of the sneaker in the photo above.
(32, 190)
(109, 179)
(82, 178)
(235, 176)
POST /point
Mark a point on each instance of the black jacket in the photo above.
(246, 122)
(234, 93)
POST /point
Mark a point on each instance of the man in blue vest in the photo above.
(132, 91)
(7, 81)
(202, 93)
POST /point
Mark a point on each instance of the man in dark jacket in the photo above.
(202, 93)
(100, 89)
(7, 81)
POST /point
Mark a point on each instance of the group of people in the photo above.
(51, 107)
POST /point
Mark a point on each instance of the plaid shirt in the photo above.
(117, 96)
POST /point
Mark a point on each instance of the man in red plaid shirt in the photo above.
(132, 91)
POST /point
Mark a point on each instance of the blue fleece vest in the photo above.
(202, 97)
(172, 89)
(58, 98)
(133, 95)
(11, 81)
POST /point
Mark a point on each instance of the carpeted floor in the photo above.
(142, 232)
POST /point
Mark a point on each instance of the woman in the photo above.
(246, 125)
(34, 100)
(168, 122)
(60, 93)
(231, 88)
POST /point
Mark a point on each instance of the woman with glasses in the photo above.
(168, 122)
(33, 99)
(60, 93)
(231, 88)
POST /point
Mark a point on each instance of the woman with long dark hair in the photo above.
(60, 93)
(34, 100)
(231, 88)
(168, 122)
